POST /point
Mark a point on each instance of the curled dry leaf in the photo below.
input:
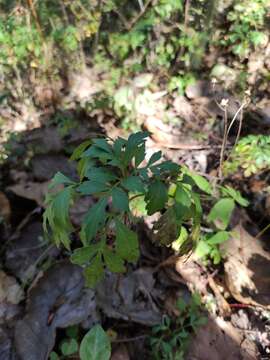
(247, 268)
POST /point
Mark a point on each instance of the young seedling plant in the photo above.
(116, 173)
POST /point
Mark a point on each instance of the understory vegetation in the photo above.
(134, 181)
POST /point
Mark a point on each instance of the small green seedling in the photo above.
(170, 339)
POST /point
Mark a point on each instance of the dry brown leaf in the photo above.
(247, 268)
(5, 210)
(31, 190)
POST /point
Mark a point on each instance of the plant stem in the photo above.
(223, 142)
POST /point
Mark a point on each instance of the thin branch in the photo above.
(223, 142)
(135, 338)
(130, 24)
(235, 116)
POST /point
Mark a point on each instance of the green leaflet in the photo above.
(154, 158)
(135, 147)
(102, 144)
(235, 195)
(69, 347)
(80, 149)
(202, 249)
(202, 183)
(182, 238)
(221, 213)
(119, 146)
(219, 238)
(83, 255)
(96, 152)
(94, 272)
(127, 245)
(100, 174)
(84, 165)
(94, 220)
(91, 187)
(60, 179)
(133, 183)
(156, 197)
(95, 345)
(120, 199)
(57, 216)
(182, 195)
(113, 261)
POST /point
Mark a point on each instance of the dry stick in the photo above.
(262, 231)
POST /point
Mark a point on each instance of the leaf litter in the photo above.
(57, 297)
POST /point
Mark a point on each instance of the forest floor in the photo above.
(42, 294)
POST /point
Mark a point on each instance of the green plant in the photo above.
(68, 346)
(170, 339)
(110, 170)
(251, 155)
(95, 345)
(116, 173)
(219, 219)
(180, 82)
